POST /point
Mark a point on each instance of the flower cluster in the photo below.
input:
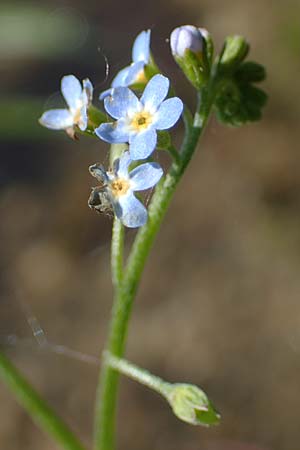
(135, 123)
(140, 111)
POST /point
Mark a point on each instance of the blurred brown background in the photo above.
(219, 301)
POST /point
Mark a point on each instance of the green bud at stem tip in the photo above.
(234, 52)
(190, 404)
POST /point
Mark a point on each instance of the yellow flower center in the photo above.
(77, 115)
(119, 187)
(141, 121)
(141, 77)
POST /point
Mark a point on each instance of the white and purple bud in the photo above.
(185, 38)
(192, 49)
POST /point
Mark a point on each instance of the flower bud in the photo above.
(190, 404)
(186, 37)
(189, 47)
(234, 52)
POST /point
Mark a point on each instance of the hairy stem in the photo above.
(138, 374)
(124, 295)
(117, 247)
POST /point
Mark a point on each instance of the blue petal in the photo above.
(142, 144)
(83, 121)
(57, 119)
(155, 92)
(141, 47)
(168, 114)
(135, 70)
(131, 211)
(71, 90)
(120, 102)
(145, 176)
(105, 93)
(88, 89)
(121, 165)
(120, 78)
(115, 133)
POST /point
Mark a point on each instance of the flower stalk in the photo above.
(117, 247)
(188, 402)
(142, 376)
(104, 424)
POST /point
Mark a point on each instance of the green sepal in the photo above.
(116, 151)
(96, 117)
(151, 69)
(163, 140)
(87, 132)
(190, 404)
(138, 87)
(209, 48)
(195, 66)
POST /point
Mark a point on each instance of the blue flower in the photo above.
(78, 99)
(134, 73)
(120, 184)
(138, 120)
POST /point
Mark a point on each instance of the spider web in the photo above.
(39, 340)
(15, 305)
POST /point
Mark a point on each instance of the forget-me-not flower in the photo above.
(134, 73)
(78, 99)
(120, 184)
(139, 119)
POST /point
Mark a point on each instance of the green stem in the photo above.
(174, 153)
(38, 409)
(138, 374)
(106, 409)
(117, 247)
(124, 296)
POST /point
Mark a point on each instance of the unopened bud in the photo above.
(186, 37)
(234, 52)
(190, 404)
(189, 48)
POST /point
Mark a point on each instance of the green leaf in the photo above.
(250, 72)
(237, 104)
